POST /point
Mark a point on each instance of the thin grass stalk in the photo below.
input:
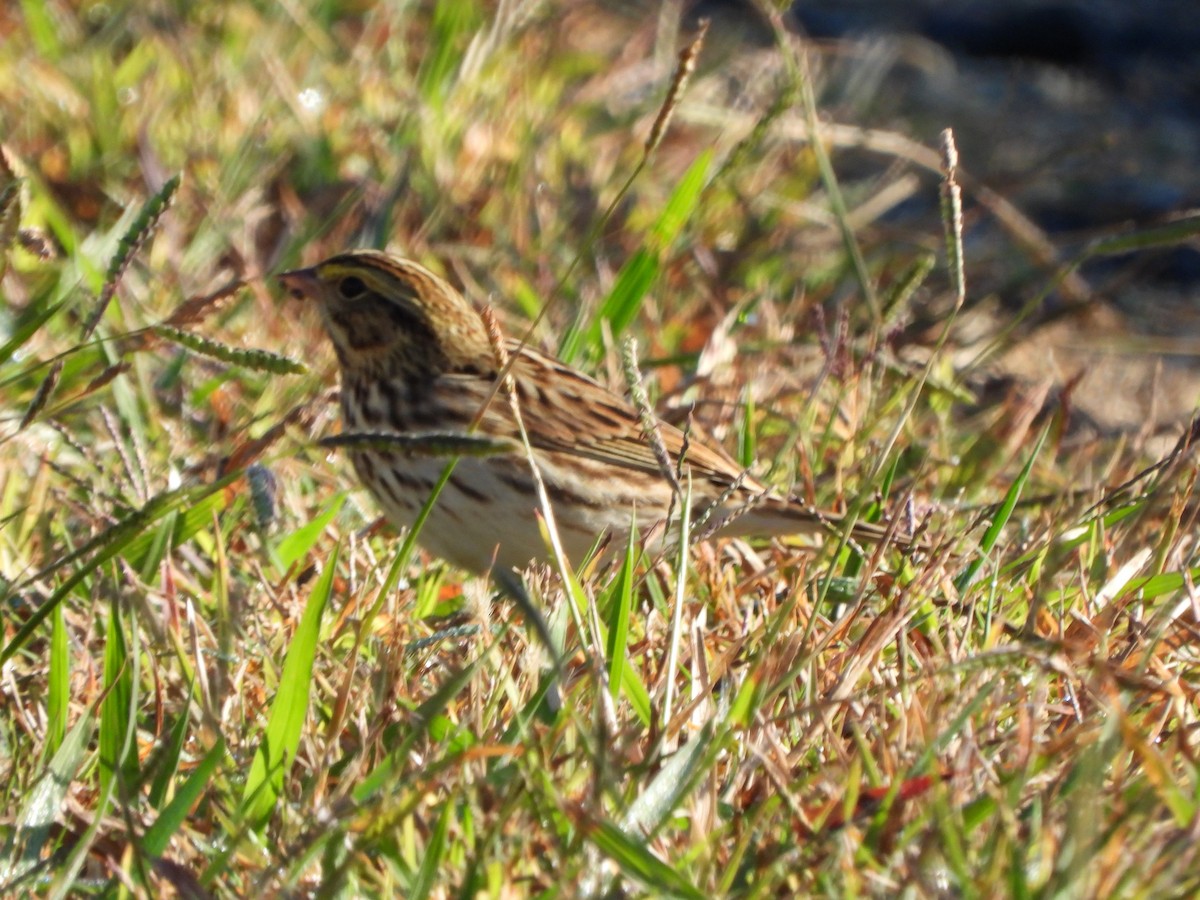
(686, 65)
(798, 74)
(952, 222)
(140, 231)
(649, 421)
(571, 587)
(685, 517)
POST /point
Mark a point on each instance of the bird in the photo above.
(422, 381)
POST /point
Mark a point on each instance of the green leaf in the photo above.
(617, 620)
(747, 447)
(624, 301)
(1179, 230)
(454, 21)
(683, 202)
(747, 701)
(636, 693)
(65, 884)
(396, 760)
(186, 523)
(160, 544)
(967, 576)
(39, 23)
(618, 612)
(641, 270)
(670, 785)
(168, 763)
(27, 330)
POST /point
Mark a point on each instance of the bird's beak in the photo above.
(300, 283)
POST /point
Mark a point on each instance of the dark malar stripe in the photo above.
(522, 484)
(467, 491)
(364, 464)
(560, 494)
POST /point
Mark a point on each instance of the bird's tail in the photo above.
(768, 516)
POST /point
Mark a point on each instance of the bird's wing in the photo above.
(566, 411)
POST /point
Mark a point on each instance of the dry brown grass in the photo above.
(1013, 713)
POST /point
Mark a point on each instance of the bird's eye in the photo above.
(351, 287)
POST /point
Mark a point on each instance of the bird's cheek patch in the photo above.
(362, 332)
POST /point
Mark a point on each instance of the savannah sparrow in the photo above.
(416, 360)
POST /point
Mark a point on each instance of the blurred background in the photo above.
(1076, 123)
(1085, 115)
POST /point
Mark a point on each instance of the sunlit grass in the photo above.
(216, 676)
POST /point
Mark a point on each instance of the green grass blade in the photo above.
(65, 883)
(168, 762)
(37, 815)
(992, 535)
(636, 861)
(118, 712)
(26, 330)
(651, 808)
(290, 706)
(58, 698)
(623, 677)
(187, 521)
(746, 702)
(169, 821)
(453, 23)
(637, 695)
(747, 445)
(300, 542)
(624, 301)
(40, 24)
(1179, 230)
(160, 544)
(433, 857)
(106, 546)
(683, 202)
(397, 758)
(641, 270)
(617, 621)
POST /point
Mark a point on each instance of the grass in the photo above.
(217, 680)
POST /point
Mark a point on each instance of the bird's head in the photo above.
(392, 315)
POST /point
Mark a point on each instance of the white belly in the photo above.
(488, 510)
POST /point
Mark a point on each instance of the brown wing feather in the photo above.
(588, 419)
(566, 411)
